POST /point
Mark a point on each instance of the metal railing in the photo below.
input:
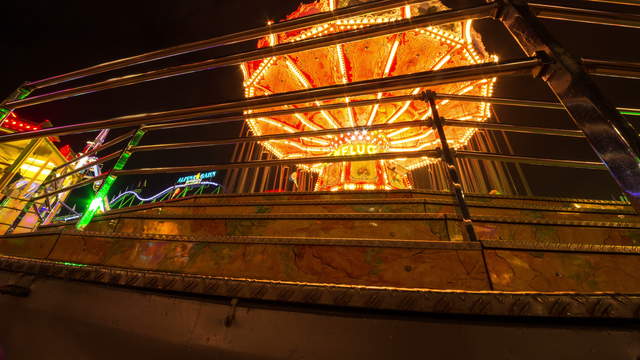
(511, 13)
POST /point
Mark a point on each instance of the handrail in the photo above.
(325, 132)
(364, 87)
(104, 146)
(514, 128)
(624, 69)
(591, 16)
(71, 187)
(99, 161)
(294, 161)
(227, 39)
(300, 134)
(478, 155)
(286, 48)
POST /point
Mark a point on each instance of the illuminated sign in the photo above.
(356, 149)
(197, 178)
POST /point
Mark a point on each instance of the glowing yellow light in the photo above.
(395, 54)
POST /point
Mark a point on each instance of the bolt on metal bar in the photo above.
(478, 155)
(282, 49)
(293, 110)
(447, 156)
(303, 22)
(102, 160)
(557, 12)
(514, 128)
(364, 87)
(295, 161)
(280, 136)
(623, 69)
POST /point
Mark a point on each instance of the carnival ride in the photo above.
(422, 49)
(311, 272)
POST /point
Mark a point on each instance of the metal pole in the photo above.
(279, 162)
(364, 87)
(618, 2)
(557, 12)
(455, 187)
(613, 138)
(20, 93)
(530, 160)
(282, 49)
(103, 191)
(623, 69)
(307, 21)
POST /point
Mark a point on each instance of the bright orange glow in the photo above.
(423, 49)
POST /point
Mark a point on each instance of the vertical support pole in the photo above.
(468, 232)
(613, 138)
(102, 192)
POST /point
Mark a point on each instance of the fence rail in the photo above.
(515, 15)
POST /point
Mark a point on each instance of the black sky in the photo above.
(44, 38)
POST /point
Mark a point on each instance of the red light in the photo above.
(28, 127)
(13, 122)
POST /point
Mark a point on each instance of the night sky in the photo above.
(46, 38)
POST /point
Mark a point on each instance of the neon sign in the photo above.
(197, 178)
(356, 149)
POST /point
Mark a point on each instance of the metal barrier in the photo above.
(613, 137)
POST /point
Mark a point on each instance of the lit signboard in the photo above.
(197, 178)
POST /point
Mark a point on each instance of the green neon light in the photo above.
(96, 201)
(634, 113)
(70, 263)
(23, 93)
(94, 205)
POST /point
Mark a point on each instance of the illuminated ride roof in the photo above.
(422, 49)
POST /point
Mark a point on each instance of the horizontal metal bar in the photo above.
(618, 2)
(71, 187)
(286, 48)
(400, 82)
(261, 163)
(106, 145)
(292, 110)
(623, 69)
(514, 128)
(301, 134)
(530, 160)
(501, 101)
(242, 36)
(557, 12)
(516, 102)
(99, 161)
